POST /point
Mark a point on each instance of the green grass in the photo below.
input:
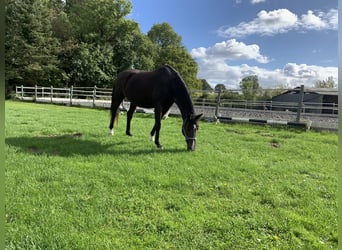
(69, 185)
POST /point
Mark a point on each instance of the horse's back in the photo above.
(145, 88)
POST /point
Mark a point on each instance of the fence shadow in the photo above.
(71, 145)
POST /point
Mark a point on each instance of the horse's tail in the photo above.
(114, 107)
(114, 111)
(118, 96)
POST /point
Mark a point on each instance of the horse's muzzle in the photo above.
(191, 144)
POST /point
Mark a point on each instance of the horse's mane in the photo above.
(183, 99)
(177, 75)
(175, 72)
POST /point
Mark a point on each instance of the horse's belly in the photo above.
(141, 102)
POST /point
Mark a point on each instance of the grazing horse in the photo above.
(157, 89)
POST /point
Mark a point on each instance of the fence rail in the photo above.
(323, 114)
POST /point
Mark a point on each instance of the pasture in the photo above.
(69, 185)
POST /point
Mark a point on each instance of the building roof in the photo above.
(320, 91)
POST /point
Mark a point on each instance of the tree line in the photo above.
(85, 43)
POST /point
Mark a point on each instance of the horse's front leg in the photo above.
(164, 111)
(130, 112)
(157, 126)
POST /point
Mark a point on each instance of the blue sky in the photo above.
(283, 42)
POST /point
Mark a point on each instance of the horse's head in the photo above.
(189, 130)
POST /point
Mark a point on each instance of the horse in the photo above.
(158, 89)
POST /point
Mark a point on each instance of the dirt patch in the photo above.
(275, 144)
(34, 150)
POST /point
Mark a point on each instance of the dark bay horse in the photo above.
(157, 89)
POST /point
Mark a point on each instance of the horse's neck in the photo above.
(181, 94)
(184, 104)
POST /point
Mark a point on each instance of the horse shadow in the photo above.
(70, 145)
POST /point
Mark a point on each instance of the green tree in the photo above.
(102, 42)
(98, 21)
(220, 87)
(85, 42)
(328, 83)
(164, 36)
(206, 85)
(250, 87)
(144, 52)
(92, 65)
(171, 51)
(31, 48)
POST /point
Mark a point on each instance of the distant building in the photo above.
(316, 100)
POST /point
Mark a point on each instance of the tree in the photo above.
(328, 83)
(164, 36)
(98, 21)
(31, 48)
(92, 65)
(250, 87)
(171, 51)
(144, 52)
(103, 42)
(220, 87)
(85, 42)
(206, 85)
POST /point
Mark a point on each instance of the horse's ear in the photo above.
(198, 117)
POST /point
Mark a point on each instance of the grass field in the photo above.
(69, 185)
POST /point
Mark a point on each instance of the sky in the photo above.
(284, 43)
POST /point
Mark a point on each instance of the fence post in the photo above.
(51, 93)
(218, 103)
(71, 90)
(35, 93)
(300, 103)
(94, 96)
(22, 92)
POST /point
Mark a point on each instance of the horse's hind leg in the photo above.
(114, 113)
(153, 131)
(130, 112)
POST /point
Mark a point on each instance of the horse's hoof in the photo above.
(159, 146)
(152, 138)
(111, 132)
(129, 134)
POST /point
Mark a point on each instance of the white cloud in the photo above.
(312, 21)
(257, 1)
(230, 50)
(214, 66)
(267, 23)
(292, 74)
(332, 19)
(308, 72)
(282, 21)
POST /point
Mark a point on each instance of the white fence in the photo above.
(82, 96)
(212, 108)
